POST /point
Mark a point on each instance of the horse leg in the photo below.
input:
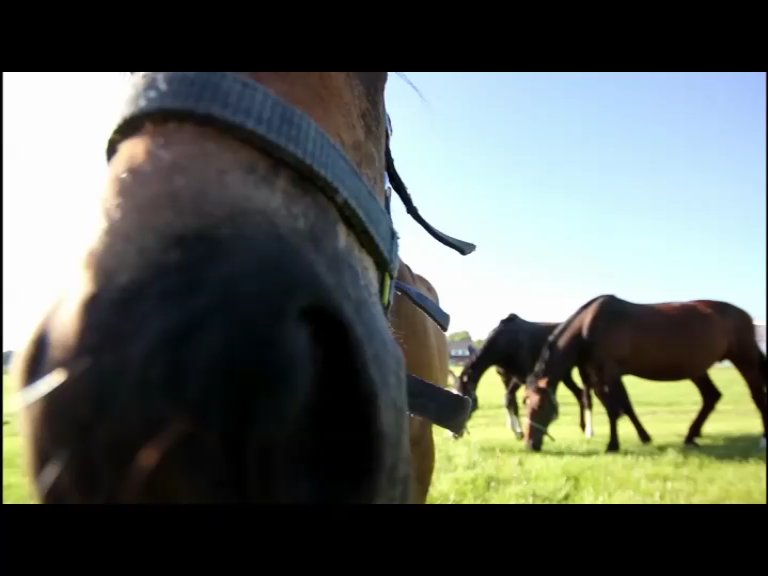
(578, 393)
(586, 402)
(612, 406)
(589, 430)
(756, 375)
(626, 408)
(709, 396)
(604, 389)
(610, 380)
(512, 408)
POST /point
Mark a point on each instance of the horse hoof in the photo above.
(692, 444)
(646, 440)
(589, 433)
(612, 449)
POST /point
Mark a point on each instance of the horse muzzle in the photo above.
(281, 397)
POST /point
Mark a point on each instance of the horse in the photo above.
(666, 341)
(514, 346)
(513, 384)
(425, 348)
(227, 338)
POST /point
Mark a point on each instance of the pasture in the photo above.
(490, 466)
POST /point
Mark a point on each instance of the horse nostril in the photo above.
(290, 398)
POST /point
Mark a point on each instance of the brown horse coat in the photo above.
(425, 348)
(227, 341)
(665, 341)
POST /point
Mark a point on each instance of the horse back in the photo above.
(669, 340)
(516, 346)
(736, 322)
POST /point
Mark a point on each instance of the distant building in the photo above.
(459, 352)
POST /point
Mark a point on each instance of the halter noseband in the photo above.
(246, 110)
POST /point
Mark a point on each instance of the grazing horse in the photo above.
(227, 336)
(665, 342)
(425, 348)
(513, 347)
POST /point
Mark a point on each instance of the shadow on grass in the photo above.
(716, 446)
(722, 447)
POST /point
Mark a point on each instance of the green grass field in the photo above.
(16, 487)
(491, 466)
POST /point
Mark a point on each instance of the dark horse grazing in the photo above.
(228, 337)
(514, 347)
(665, 342)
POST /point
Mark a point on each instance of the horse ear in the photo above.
(511, 317)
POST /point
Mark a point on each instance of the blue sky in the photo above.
(651, 187)
(648, 186)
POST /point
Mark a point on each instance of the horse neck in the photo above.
(570, 332)
(479, 365)
(561, 351)
(568, 353)
(529, 343)
(540, 334)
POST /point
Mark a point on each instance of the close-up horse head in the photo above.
(212, 295)
(228, 338)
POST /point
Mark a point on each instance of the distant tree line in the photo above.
(457, 336)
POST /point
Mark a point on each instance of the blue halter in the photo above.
(245, 109)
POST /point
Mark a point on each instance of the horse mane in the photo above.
(555, 335)
(502, 323)
(557, 332)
